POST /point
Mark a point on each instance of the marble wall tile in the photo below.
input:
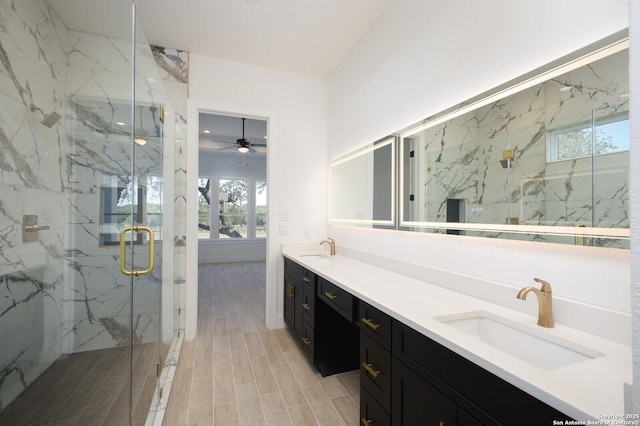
(174, 66)
(173, 63)
(32, 71)
(65, 292)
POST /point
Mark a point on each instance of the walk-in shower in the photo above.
(87, 300)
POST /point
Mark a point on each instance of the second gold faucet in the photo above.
(332, 245)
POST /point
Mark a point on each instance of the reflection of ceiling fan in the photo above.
(245, 145)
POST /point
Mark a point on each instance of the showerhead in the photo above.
(50, 119)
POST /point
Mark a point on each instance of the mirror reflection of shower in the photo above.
(49, 119)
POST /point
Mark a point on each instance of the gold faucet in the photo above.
(545, 313)
(332, 245)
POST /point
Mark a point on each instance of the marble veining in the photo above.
(64, 293)
(462, 157)
(175, 63)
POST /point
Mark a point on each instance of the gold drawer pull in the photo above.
(289, 290)
(306, 341)
(370, 323)
(370, 370)
(306, 306)
(306, 280)
(366, 422)
(330, 295)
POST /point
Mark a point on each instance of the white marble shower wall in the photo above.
(174, 71)
(32, 163)
(462, 156)
(100, 72)
(64, 292)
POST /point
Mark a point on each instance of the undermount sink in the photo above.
(316, 256)
(528, 344)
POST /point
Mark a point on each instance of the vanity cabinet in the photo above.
(320, 316)
(299, 305)
(375, 365)
(477, 396)
(406, 378)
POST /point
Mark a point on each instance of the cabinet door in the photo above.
(289, 298)
(416, 402)
(293, 304)
(297, 307)
(465, 419)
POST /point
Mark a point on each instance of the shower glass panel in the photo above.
(82, 342)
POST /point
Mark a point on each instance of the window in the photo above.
(204, 203)
(153, 205)
(232, 222)
(242, 211)
(119, 195)
(567, 143)
(261, 209)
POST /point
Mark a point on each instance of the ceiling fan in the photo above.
(245, 145)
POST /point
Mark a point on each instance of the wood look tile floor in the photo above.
(238, 372)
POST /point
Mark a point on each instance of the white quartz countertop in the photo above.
(587, 390)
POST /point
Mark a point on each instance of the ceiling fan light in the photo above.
(243, 149)
(140, 141)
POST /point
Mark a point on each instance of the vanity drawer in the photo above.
(292, 267)
(375, 371)
(308, 304)
(308, 278)
(298, 271)
(371, 413)
(375, 324)
(337, 298)
(308, 341)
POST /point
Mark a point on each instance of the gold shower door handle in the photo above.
(123, 249)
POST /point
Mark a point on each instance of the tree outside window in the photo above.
(261, 209)
(204, 202)
(232, 221)
(611, 135)
(242, 211)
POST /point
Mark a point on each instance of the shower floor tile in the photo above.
(85, 388)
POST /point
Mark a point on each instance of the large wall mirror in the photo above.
(362, 186)
(543, 158)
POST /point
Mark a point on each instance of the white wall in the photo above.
(423, 57)
(296, 159)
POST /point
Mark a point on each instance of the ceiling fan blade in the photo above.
(261, 145)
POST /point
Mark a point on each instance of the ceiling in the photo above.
(219, 133)
(305, 36)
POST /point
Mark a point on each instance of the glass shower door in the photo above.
(82, 343)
